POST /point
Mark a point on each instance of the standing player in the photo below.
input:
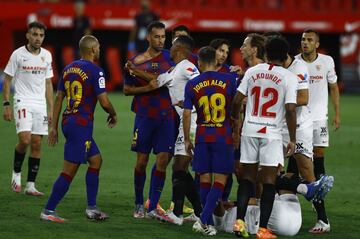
(176, 79)
(321, 75)
(180, 30)
(211, 94)
(83, 84)
(253, 49)
(154, 126)
(271, 92)
(30, 67)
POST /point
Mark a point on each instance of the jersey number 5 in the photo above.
(213, 109)
(270, 93)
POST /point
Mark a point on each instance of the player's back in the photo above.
(212, 95)
(268, 88)
(154, 104)
(82, 81)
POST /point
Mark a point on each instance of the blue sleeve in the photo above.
(188, 104)
(98, 81)
(129, 80)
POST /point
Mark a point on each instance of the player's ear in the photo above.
(317, 44)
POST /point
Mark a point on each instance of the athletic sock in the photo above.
(139, 182)
(158, 185)
(18, 161)
(266, 203)
(151, 180)
(179, 188)
(320, 210)
(227, 188)
(61, 186)
(204, 190)
(192, 194)
(211, 201)
(319, 167)
(243, 195)
(92, 185)
(292, 166)
(290, 184)
(33, 168)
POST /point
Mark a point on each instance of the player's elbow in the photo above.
(126, 91)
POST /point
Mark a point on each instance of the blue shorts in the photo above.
(153, 134)
(213, 158)
(79, 145)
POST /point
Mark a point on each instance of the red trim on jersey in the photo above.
(271, 66)
(262, 131)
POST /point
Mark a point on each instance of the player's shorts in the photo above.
(268, 152)
(321, 133)
(180, 143)
(153, 134)
(30, 116)
(285, 219)
(213, 158)
(79, 145)
(304, 139)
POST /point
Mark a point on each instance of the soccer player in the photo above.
(253, 49)
(30, 67)
(321, 76)
(211, 94)
(154, 127)
(271, 92)
(176, 79)
(83, 84)
(180, 30)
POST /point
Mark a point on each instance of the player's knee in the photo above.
(319, 152)
(24, 141)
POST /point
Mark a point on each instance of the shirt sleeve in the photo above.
(188, 104)
(243, 87)
(49, 69)
(331, 74)
(99, 82)
(190, 71)
(164, 78)
(11, 66)
(291, 89)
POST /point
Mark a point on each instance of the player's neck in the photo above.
(218, 67)
(206, 68)
(179, 58)
(151, 53)
(87, 58)
(288, 61)
(32, 50)
(254, 61)
(310, 57)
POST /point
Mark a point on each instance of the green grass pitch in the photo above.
(19, 214)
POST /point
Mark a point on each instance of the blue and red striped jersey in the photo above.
(211, 93)
(155, 104)
(82, 81)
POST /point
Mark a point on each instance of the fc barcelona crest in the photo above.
(155, 65)
(318, 67)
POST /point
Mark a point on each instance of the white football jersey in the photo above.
(303, 118)
(29, 73)
(268, 88)
(176, 78)
(321, 72)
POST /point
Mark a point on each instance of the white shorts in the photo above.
(321, 133)
(30, 117)
(180, 143)
(285, 219)
(304, 141)
(269, 152)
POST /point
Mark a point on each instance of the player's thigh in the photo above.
(249, 151)
(78, 144)
(23, 116)
(40, 120)
(271, 152)
(320, 133)
(144, 128)
(164, 137)
(222, 158)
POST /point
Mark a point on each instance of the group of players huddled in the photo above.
(193, 107)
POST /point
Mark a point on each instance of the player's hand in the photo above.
(111, 121)
(7, 113)
(290, 149)
(52, 137)
(130, 67)
(336, 122)
(179, 104)
(153, 84)
(189, 147)
(237, 70)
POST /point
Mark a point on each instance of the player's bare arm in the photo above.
(302, 97)
(335, 98)
(6, 98)
(108, 108)
(290, 116)
(53, 131)
(237, 70)
(186, 124)
(235, 118)
(49, 95)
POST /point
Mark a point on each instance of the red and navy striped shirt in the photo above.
(211, 93)
(82, 81)
(155, 104)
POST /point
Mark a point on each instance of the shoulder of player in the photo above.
(325, 58)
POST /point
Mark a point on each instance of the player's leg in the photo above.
(33, 165)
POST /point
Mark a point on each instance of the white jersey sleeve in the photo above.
(12, 64)
(164, 78)
(49, 71)
(291, 89)
(331, 74)
(243, 87)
